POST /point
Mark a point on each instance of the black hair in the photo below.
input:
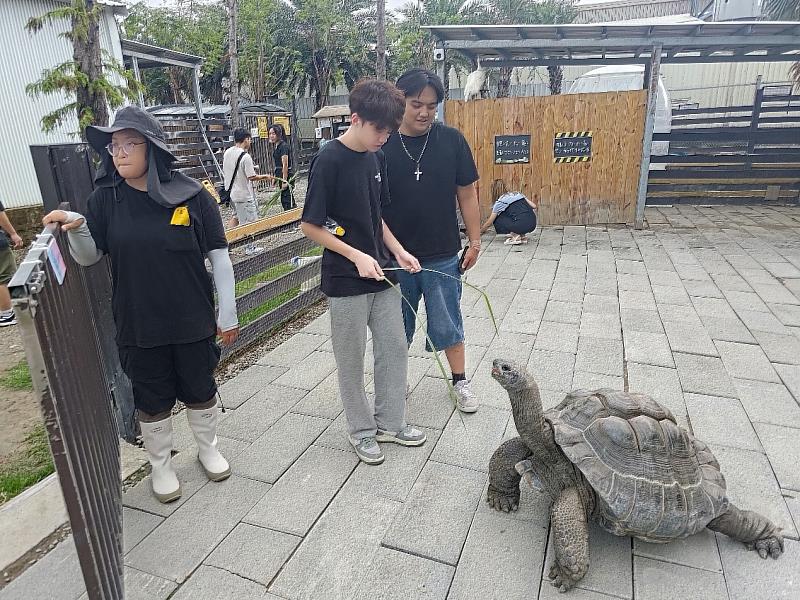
(378, 102)
(278, 129)
(413, 81)
(240, 134)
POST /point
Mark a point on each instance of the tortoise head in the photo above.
(510, 374)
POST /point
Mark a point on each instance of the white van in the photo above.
(621, 78)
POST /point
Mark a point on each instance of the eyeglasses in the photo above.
(127, 148)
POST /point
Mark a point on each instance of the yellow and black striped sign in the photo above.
(572, 147)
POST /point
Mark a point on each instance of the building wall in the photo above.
(24, 58)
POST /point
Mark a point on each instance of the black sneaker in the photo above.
(8, 320)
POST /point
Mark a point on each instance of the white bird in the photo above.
(475, 82)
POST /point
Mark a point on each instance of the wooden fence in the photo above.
(731, 154)
(602, 189)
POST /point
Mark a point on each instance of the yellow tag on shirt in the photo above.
(180, 216)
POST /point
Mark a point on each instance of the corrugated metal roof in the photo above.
(22, 61)
(336, 110)
(214, 110)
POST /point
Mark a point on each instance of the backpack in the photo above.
(225, 194)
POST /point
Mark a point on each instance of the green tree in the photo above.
(84, 79)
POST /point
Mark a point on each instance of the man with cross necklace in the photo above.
(431, 171)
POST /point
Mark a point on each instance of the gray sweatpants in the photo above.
(350, 317)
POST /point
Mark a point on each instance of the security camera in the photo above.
(438, 54)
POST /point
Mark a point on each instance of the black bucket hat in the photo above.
(164, 185)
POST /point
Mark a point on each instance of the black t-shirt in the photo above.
(282, 149)
(422, 215)
(349, 188)
(5, 241)
(162, 290)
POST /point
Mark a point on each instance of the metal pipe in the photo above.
(647, 139)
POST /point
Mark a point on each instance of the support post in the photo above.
(647, 139)
(440, 67)
(138, 76)
(198, 106)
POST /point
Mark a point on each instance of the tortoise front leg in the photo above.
(503, 491)
(570, 532)
(757, 532)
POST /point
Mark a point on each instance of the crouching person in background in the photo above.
(158, 227)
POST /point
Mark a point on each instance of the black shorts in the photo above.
(163, 374)
(518, 218)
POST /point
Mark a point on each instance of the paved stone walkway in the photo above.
(701, 310)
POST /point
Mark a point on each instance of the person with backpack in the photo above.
(239, 172)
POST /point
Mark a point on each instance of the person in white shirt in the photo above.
(512, 213)
(238, 181)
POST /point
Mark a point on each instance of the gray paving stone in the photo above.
(323, 401)
(509, 346)
(567, 290)
(331, 560)
(548, 592)
(792, 499)
(761, 321)
(309, 372)
(746, 361)
(604, 305)
(563, 312)
(189, 535)
(210, 582)
(788, 314)
(270, 455)
(782, 269)
(703, 375)
(253, 552)
(143, 586)
(551, 370)
(190, 473)
(260, 412)
(749, 576)
(774, 293)
(640, 320)
(790, 375)
(684, 315)
(593, 381)
(779, 348)
(665, 294)
(783, 450)
(731, 283)
(321, 325)
(698, 551)
(634, 267)
(468, 441)
(293, 350)
(751, 485)
(768, 402)
(514, 573)
(730, 330)
(610, 567)
(336, 436)
(297, 499)
(713, 307)
(689, 338)
(601, 326)
(57, 576)
(429, 404)
(705, 289)
(648, 348)
(633, 282)
(657, 580)
(746, 301)
(436, 516)
(479, 331)
(637, 300)
(599, 356)
(661, 383)
(396, 476)
(664, 278)
(136, 525)
(247, 384)
(721, 421)
(394, 575)
(559, 337)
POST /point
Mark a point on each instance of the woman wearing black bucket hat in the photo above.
(158, 226)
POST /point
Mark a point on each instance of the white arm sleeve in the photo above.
(222, 271)
(81, 243)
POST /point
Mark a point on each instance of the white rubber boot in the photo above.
(158, 443)
(204, 426)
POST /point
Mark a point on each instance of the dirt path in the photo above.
(19, 410)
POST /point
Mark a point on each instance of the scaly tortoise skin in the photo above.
(619, 459)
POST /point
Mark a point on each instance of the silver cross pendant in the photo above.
(417, 172)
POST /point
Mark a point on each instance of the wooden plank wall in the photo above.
(602, 190)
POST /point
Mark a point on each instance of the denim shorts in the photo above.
(442, 302)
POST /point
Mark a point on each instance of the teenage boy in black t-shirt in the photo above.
(348, 186)
(430, 171)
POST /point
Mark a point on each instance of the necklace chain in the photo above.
(424, 146)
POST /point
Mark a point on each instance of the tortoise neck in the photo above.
(553, 469)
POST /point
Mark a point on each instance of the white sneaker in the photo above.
(467, 400)
(7, 320)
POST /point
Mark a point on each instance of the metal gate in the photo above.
(64, 314)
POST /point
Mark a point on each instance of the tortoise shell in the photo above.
(653, 480)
